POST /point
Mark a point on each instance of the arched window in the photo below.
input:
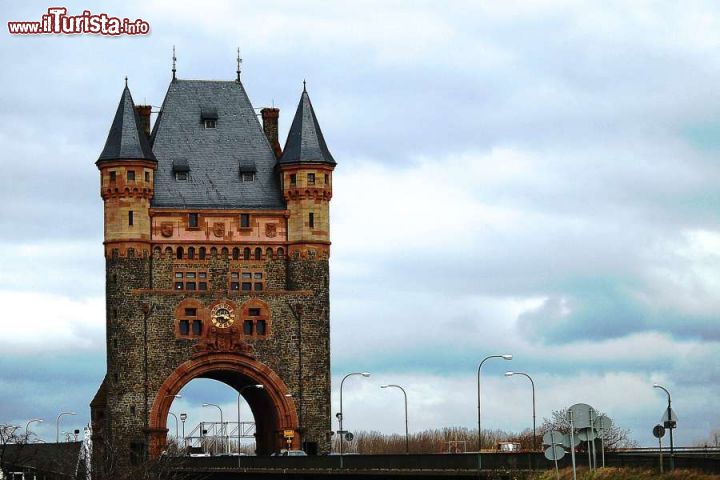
(189, 319)
(246, 253)
(236, 253)
(191, 253)
(269, 253)
(180, 253)
(224, 252)
(280, 252)
(255, 318)
(201, 253)
(258, 253)
(213, 252)
(168, 251)
(157, 251)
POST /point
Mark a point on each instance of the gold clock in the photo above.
(222, 315)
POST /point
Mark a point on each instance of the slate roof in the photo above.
(305, 142)
(214, 155)
(126, 140)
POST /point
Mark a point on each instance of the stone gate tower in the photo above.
(216, 244)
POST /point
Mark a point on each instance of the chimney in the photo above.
(270, 125)
(143, 112)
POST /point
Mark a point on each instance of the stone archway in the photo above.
(273, 409)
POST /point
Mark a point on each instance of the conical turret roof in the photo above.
(126, 140)
(305, 142)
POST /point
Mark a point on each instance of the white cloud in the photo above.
(35, 321)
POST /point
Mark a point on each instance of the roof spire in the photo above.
(174, 59)
(239, 61)
(125, 80)
(305, 142)
(126, 139)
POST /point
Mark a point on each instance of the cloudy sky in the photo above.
(530, 177)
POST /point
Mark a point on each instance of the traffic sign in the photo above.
(583, 415)
(658, 431)
(669, 420)
(556, 452)
(552, 437)
(587, 434)
(289, 433)
(349, 436)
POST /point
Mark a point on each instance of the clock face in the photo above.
(222, 315)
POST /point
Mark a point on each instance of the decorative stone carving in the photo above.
(219, 229)
(166, 229)
(223, 340)
(271, 230)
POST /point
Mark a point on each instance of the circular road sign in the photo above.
(349, 436)
(658, 431)
(552, 437)
(566, 440)
(587, 434)
(556, 452)
(582, 415)
(602, 423)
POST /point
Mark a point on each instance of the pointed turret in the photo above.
(305, 142)
(127, 139)
(306, 168)
(127, 170)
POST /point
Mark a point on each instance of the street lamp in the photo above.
(407, 437)
(238, 409)
(504, 357)
(57, 424)
(27, 425)
(669, 424)
(183, 417)
(222, 441)
(510, 374)
(340, 415)
(176, 424)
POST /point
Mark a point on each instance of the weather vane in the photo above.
(174, 59)
(239, 61)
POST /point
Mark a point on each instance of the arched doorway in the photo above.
(272, 406)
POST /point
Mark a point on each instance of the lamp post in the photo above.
(669, 425)
(238, 408)
(27, 425)
(407, 437)
(504, 357)
(176, 424)
(510, 374)
(183, 417)
(57, 424)
(222, 442)
(340, 415)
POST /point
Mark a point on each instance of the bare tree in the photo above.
(614, 438)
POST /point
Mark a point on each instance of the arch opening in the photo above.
(272, 406)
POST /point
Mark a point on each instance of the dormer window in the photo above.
(209, 116)
(181, 169)
(247, 171)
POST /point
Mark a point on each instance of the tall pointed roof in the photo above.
(305, 142)
(213, 158)
(126, 140)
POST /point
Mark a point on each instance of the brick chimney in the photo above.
(270, 125)
(143, 112)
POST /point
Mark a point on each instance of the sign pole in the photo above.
(661, 459)
(572, 443)
(552, 440)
